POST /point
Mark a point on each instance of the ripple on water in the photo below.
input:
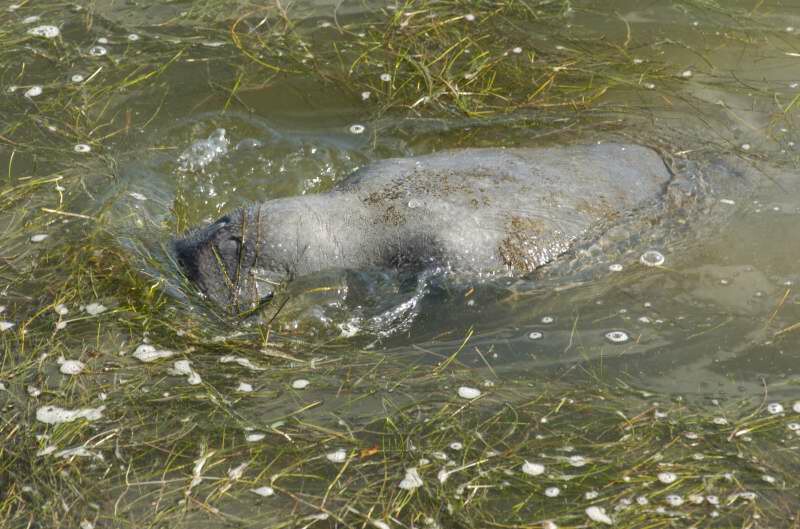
(202, 152)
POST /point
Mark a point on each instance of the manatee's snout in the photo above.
(221, 260)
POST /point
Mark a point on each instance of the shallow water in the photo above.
(216, 129)
(701, 324)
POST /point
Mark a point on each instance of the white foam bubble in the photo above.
(47, 31)
(97, 51)
(385, 77)
(696, 499)
(95, 308)
(56, 415)
(237, 472)
(652, 258)
(33, 91)
(264, 491)
(39, 237)
(239, 360)
(254, 437)
(533, 469)
(148, 353)
(617, 336)
(667, 477)
(552, 492)
(82, 148)
(598, 514)
(6, 325)
(577, 461)
(71, 367)
(300, 383)
(674, 500)
(412, 480)
(469, 393)
(357, 129)
(244, 387)
(775, 408)
(337, 456)
(184, 368)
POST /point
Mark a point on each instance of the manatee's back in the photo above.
(509, 208)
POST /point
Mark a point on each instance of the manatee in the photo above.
(483, 212)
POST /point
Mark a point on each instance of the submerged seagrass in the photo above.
(474, 211)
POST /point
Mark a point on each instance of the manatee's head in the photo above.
(221, 259)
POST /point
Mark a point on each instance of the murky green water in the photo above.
(299, 93)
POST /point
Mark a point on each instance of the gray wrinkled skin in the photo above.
(473, 211)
